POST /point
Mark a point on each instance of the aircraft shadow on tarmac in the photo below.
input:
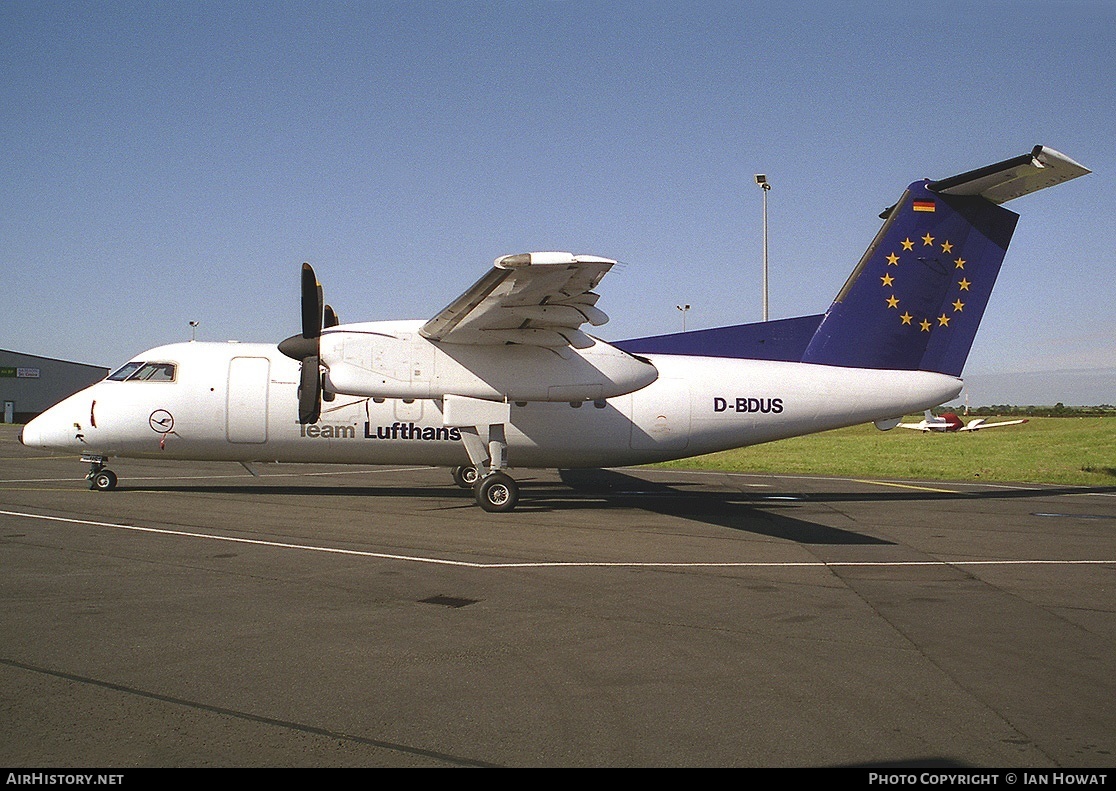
(723, 509)
(585, 490)
(758, 513)
(601, 489)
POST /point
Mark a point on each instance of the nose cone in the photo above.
(60, 427)
(32, 435)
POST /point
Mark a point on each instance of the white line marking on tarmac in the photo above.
(553, 564)
(377, 471)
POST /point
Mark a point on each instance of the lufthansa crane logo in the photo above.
(161, 421)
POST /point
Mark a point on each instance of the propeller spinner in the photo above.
(307, 346)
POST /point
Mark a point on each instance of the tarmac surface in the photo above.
(373, 616)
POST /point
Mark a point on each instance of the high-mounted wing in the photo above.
(533, 299)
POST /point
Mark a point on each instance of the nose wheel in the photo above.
(101, 479)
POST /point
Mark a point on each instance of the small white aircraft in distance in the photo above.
(949, 421)
(505, 377)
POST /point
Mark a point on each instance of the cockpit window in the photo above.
(154, 372)
(144, 372)
(124, 371)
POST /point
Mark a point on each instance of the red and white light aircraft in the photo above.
(506, 377)
(948, 421)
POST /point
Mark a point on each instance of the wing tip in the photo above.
(547, 258)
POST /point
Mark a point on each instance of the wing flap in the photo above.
(557, 314)
(534, 299)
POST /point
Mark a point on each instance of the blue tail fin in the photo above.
(916, 298)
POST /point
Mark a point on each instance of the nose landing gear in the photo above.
(101, 479)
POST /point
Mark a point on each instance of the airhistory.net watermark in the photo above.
(62, 779)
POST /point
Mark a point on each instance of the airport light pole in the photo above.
(683, 308)
(194, 330)
(761, 180)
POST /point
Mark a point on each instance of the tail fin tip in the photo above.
(1013, 178)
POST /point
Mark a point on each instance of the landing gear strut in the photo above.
(495, 490)
(482, 425)
(101, 479)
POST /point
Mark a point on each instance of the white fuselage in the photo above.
(238, 402)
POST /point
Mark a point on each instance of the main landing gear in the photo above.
(466, 477)
(101, 479)
(482, 425)
(497, 492)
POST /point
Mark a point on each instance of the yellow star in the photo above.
(943, 320)
(925, 325)
(964, 284)
(893, 260)
(887, 280)
(892, 302)
(959, 263)
(906, 317)
(947, 246)
(908, 244)
(958, 306)
(927, 240)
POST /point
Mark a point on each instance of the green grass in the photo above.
(1045, 450)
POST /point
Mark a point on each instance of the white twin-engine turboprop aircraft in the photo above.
(505, 377)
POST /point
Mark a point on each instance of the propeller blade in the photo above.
(299, 347)
(310, 391)
(307, 347)
(312, 303)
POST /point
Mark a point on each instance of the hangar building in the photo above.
(30, 384)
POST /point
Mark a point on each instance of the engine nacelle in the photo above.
(391, 360)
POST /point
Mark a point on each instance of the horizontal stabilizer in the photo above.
(782, 339)
(1013, 178)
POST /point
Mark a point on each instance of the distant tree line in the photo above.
(1058, 410)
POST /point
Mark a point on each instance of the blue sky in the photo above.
(169, 162)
